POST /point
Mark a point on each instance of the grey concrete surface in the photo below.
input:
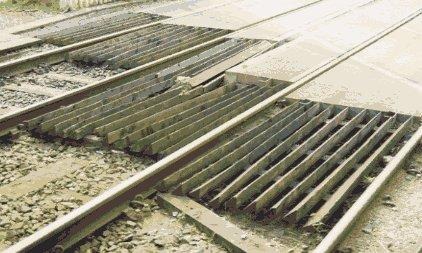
(287, 61)
(181, 7)
(295, 20)
(400, 52)
(385, 76)
(354, 84)
(238, 14)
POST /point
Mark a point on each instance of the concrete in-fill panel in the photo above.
(399, 53)
(355, 84)
(239, 14)
(415, 26)
(283, 63)
(350, 83)
(295, 21)
(184, 7)
(355, 27)
(386, 75)
(375, 78)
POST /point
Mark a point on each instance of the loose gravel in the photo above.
(18, 98)
(13, 55)
(393, 221)
(79, 69)
(24, 215)
(39, 76)
(279, 233)
(145, 227)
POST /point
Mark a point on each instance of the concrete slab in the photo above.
(389, 60)
(385, 76)
(415, 26)
(9, 42)
(399, 52)
(348, 30)
(59, 17)
(354, 84)
(295, 20)
(286, 62)
(240, 13)
(184, 7)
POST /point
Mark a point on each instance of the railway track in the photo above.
(124, 49)
(88, 35)
(33, 38)
(206, 59)
(16, 54)
(121, 49)
(206, 136)
(92, 27)
(46, 82)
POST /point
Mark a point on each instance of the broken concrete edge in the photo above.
(228, 63)
(222, 232)
(55, 56)
(61, 17)
(183, 82)
(344, 225)
(248, 79)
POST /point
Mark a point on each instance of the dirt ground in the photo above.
(10, 17)
(393, 222)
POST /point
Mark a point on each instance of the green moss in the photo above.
(49, 6)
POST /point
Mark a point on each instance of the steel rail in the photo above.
(287, 36)
(343, 226)
(68, 226)
(26, 27)
(12, 119)
(59, 54)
